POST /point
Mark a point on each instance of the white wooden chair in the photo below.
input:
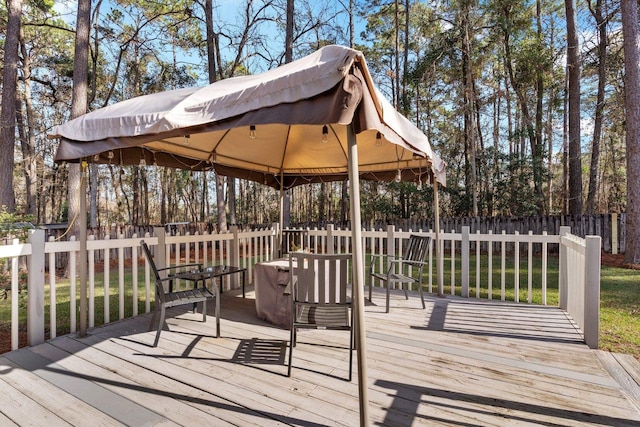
(400, 270)
(319, 296)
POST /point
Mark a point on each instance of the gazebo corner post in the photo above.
(281, 217)
(83, 249)
(358, 276)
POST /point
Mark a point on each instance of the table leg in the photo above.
(217, 313)
(243, 272)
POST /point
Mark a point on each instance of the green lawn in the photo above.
(619, 298)
(620, 310)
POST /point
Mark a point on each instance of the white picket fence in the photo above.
(579, 267)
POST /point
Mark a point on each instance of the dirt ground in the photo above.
(617, 261)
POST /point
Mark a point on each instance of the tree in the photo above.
(8, 114)
(211, 64)
(601, 23)
(79, 103)
(631, 33)
(288, 57)
(573, 66)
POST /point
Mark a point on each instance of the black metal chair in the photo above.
(399, 270)
(169, 298)
(319, 296)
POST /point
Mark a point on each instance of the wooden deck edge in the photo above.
(625, 369)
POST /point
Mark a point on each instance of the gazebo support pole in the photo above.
(439, 265)
(281, 217)
(358, 277)
(83, 249)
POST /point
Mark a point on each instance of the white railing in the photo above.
(579, 282)
(578, 277)
(458, 248)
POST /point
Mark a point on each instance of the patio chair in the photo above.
(170, 298)
(399, 270)
(319, 296)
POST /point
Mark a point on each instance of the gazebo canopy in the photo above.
(287, 125)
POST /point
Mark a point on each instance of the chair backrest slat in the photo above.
(319, 278)
(417, 249)
(158, 286)
(147, 253)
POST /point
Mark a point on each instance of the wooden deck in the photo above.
(459, 362)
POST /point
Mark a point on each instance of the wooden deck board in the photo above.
(459, 362)
(69, 408)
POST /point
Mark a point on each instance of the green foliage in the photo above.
(14, 225)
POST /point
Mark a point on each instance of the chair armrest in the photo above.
(389, 259)
(405, 261)
(382, 256)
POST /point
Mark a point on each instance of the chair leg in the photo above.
(217, 315)
(204, 310)
(388, 290)
(160, 325)
(406, 290)
(421, 295)
(291, 345)
(153, 318)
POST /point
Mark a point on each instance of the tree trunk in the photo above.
(231, 191)
(573, 65)
(288, 57)
(351, 24)
(469, 116)
(405, 61)
(565, 145)
(79, 101)
(27, 135)
(8, 105)
(631, 34)
(538, 148)
(597, 126)
(527, 123)
(212, 48)
(396, 74)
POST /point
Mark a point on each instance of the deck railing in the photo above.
(466, 253)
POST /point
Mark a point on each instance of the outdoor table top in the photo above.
(201, 274)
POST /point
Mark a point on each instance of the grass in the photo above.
(620, 310)
(619, 298)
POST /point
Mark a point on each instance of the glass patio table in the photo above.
(213, 272)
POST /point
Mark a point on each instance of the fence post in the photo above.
(614, 233)
(35, 288)
(391, 241)
(235, 255)
(330, 241)
(592, 291)
(276, 246)
(464, 261)
(160, 257)
(563, 279)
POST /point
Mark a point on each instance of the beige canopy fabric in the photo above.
(299, 112)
